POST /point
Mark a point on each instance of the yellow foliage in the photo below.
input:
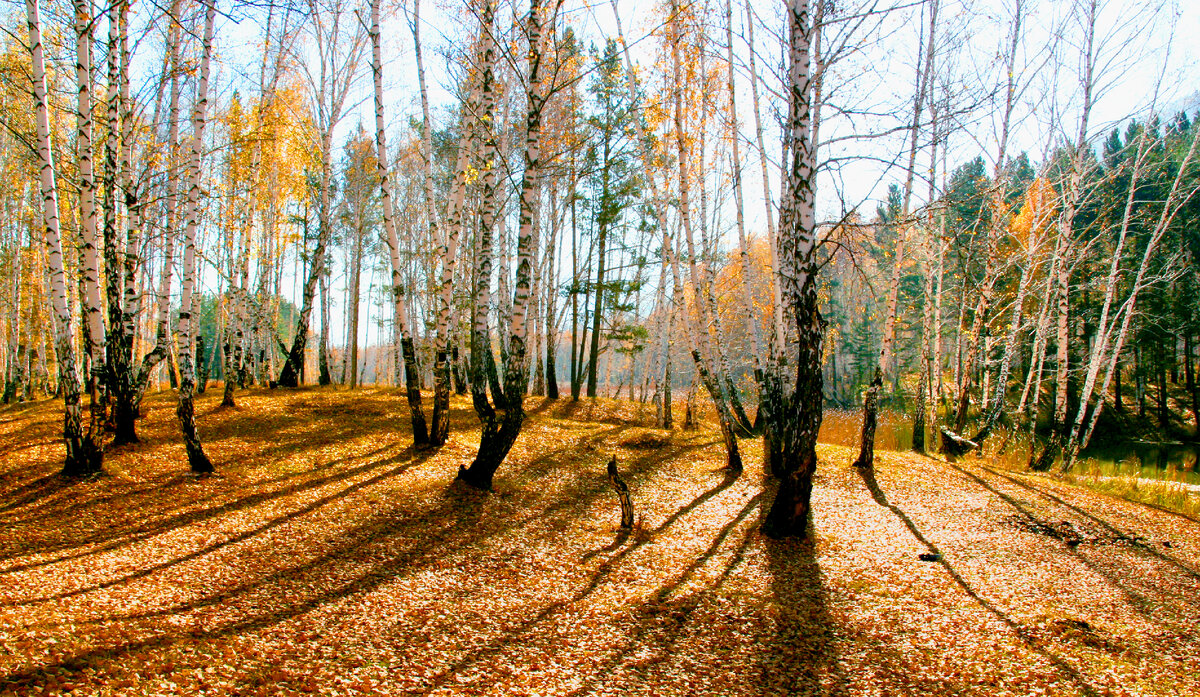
(1037, 211)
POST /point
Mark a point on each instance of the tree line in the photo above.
(629, 215)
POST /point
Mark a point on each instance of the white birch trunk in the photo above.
(798, 420)
(197, 460)
(400, 307)
(84, 456)
(1100, 352)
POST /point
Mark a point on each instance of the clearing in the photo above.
(328, 557)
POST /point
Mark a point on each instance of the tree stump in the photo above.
(622, 488)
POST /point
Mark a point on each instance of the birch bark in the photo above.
(796, 423)
(1101, 354)
(197, 460)
(455, 219)
(84, 454)
(501, 421)
(92, 302)
(400, 306)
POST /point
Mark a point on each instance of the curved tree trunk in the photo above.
(501, 422)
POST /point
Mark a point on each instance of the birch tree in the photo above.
(454, 223)
(501, 417)
(1111, 337)
(796, 423)
(400, 306)
(95, 331)
(338, 52)
(197, 460)
(84, 453)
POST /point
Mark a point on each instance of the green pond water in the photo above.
(1176, 461)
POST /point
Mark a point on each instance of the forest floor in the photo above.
(328, 557)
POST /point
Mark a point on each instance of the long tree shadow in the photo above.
(288, 435)
(603, 573)
(575, 499)
(1028, 638)
(116, 536)
(414, 458)
(392, 544)
(35, 490)
(1139, 602)
(727, 480)
(447, 528)
(661, 620)
(449, 525)
(1117, 532)
(801, 658)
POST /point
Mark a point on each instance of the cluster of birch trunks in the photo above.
(978, 294)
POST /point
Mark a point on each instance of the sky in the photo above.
(1150, 53)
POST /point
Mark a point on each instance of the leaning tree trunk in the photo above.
(1170, 207)
(1028, 270)
(293, 364)
(84, 456)
(186, 412)
(698, 336)
(412, 375)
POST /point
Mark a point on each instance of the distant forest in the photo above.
(666, 204)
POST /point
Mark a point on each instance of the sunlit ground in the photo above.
(329, 557)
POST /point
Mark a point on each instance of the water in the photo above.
(1172, 461)
(1175, 461)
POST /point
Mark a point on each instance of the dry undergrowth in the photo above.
(330, 558)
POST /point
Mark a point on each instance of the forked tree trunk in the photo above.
(84, 456)
(501, 421)
(186, 412)
(124, 367)
(987, 285)
(338, 52)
